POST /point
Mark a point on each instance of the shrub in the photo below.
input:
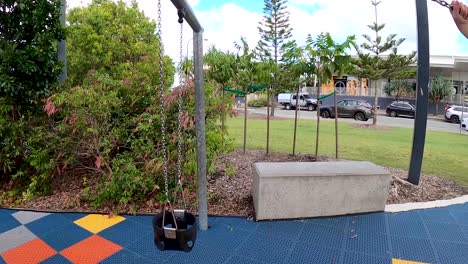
(260, 102)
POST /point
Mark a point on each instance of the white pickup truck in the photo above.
(288, 101)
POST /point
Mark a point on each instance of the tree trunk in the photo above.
(268, 123)
(436, 107)
(273, 103)
(376, 102)
(295, 121)
(245, 122)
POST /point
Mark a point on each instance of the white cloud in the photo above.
(228, 22)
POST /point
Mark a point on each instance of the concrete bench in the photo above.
(288, 190)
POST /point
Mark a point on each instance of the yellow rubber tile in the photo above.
(95, 223)
(400, 261)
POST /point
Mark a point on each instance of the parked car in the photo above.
(401, 108)
(464, 124)
(358, 109)
(288, 101)
(455, 113)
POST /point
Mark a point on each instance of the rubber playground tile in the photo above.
(413, 249)
(437, 215)
(236, 223)
(451, 252)
(127, 257)
(91, 250)
(7, 222)
(446, 232)
(145, 247)
(126, 232)
(407, 228)
(95, 223)
(56, 259)
(461, 217)
(66, 236)
(33, 251)
(200, 254)
(368, 243)
(369, 223)
(47, 224)
(282, 229)
(15, 237)
(267, 249)
(350, 257)
(303, 253)
(25, 217)
(339, 222)
(322, 235)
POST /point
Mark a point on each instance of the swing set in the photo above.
(177, 228)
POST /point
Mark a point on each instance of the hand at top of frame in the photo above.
(460, 16)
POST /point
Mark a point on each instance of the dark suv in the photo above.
(357, 109)
(401, 108)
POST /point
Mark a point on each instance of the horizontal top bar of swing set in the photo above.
(189, 15)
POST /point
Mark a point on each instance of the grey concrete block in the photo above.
(14, 238)
(25, 217)
(287, 190)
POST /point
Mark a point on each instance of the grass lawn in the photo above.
(446, 154)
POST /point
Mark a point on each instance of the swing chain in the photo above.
(444, 4)
(162, 102)
(181, 14)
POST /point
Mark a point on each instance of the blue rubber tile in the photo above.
(459, 207)
(313, 254)
(267, 249)
(6, 212)
(223, 237)
(242, 260)
(437, 214)
(48, 224)
(281, 229)
(351, 257)
(369, 223)
(7, 222)
(126, 232)
(201, 254)
(125, 256)
(414, 249)
(451, 253)
(56, 259)
(368, 243)
(460, 216)
(404, 216)
(337, 222)
(446, 232)
(145, 220)
(407, 228)
(73, 216)
(66, 236)
(146, 248)
(321, 235)
(236, 222)
(2, 261)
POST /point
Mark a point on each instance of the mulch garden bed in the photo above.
(229, 189)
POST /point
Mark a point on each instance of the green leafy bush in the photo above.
(260, 102)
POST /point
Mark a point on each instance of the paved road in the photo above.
(433, 123)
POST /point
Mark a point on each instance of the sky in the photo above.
(226, 21)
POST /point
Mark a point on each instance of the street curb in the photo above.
(396, 208)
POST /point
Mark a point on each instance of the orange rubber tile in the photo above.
(91, 250)
(34, 251)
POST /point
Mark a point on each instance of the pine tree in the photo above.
(371, 65)
(274, 33)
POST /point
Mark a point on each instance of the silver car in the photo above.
(455, 113)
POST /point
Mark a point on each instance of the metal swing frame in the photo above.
(192, 20)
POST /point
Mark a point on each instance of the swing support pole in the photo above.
(422, 91)
(199, 110)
